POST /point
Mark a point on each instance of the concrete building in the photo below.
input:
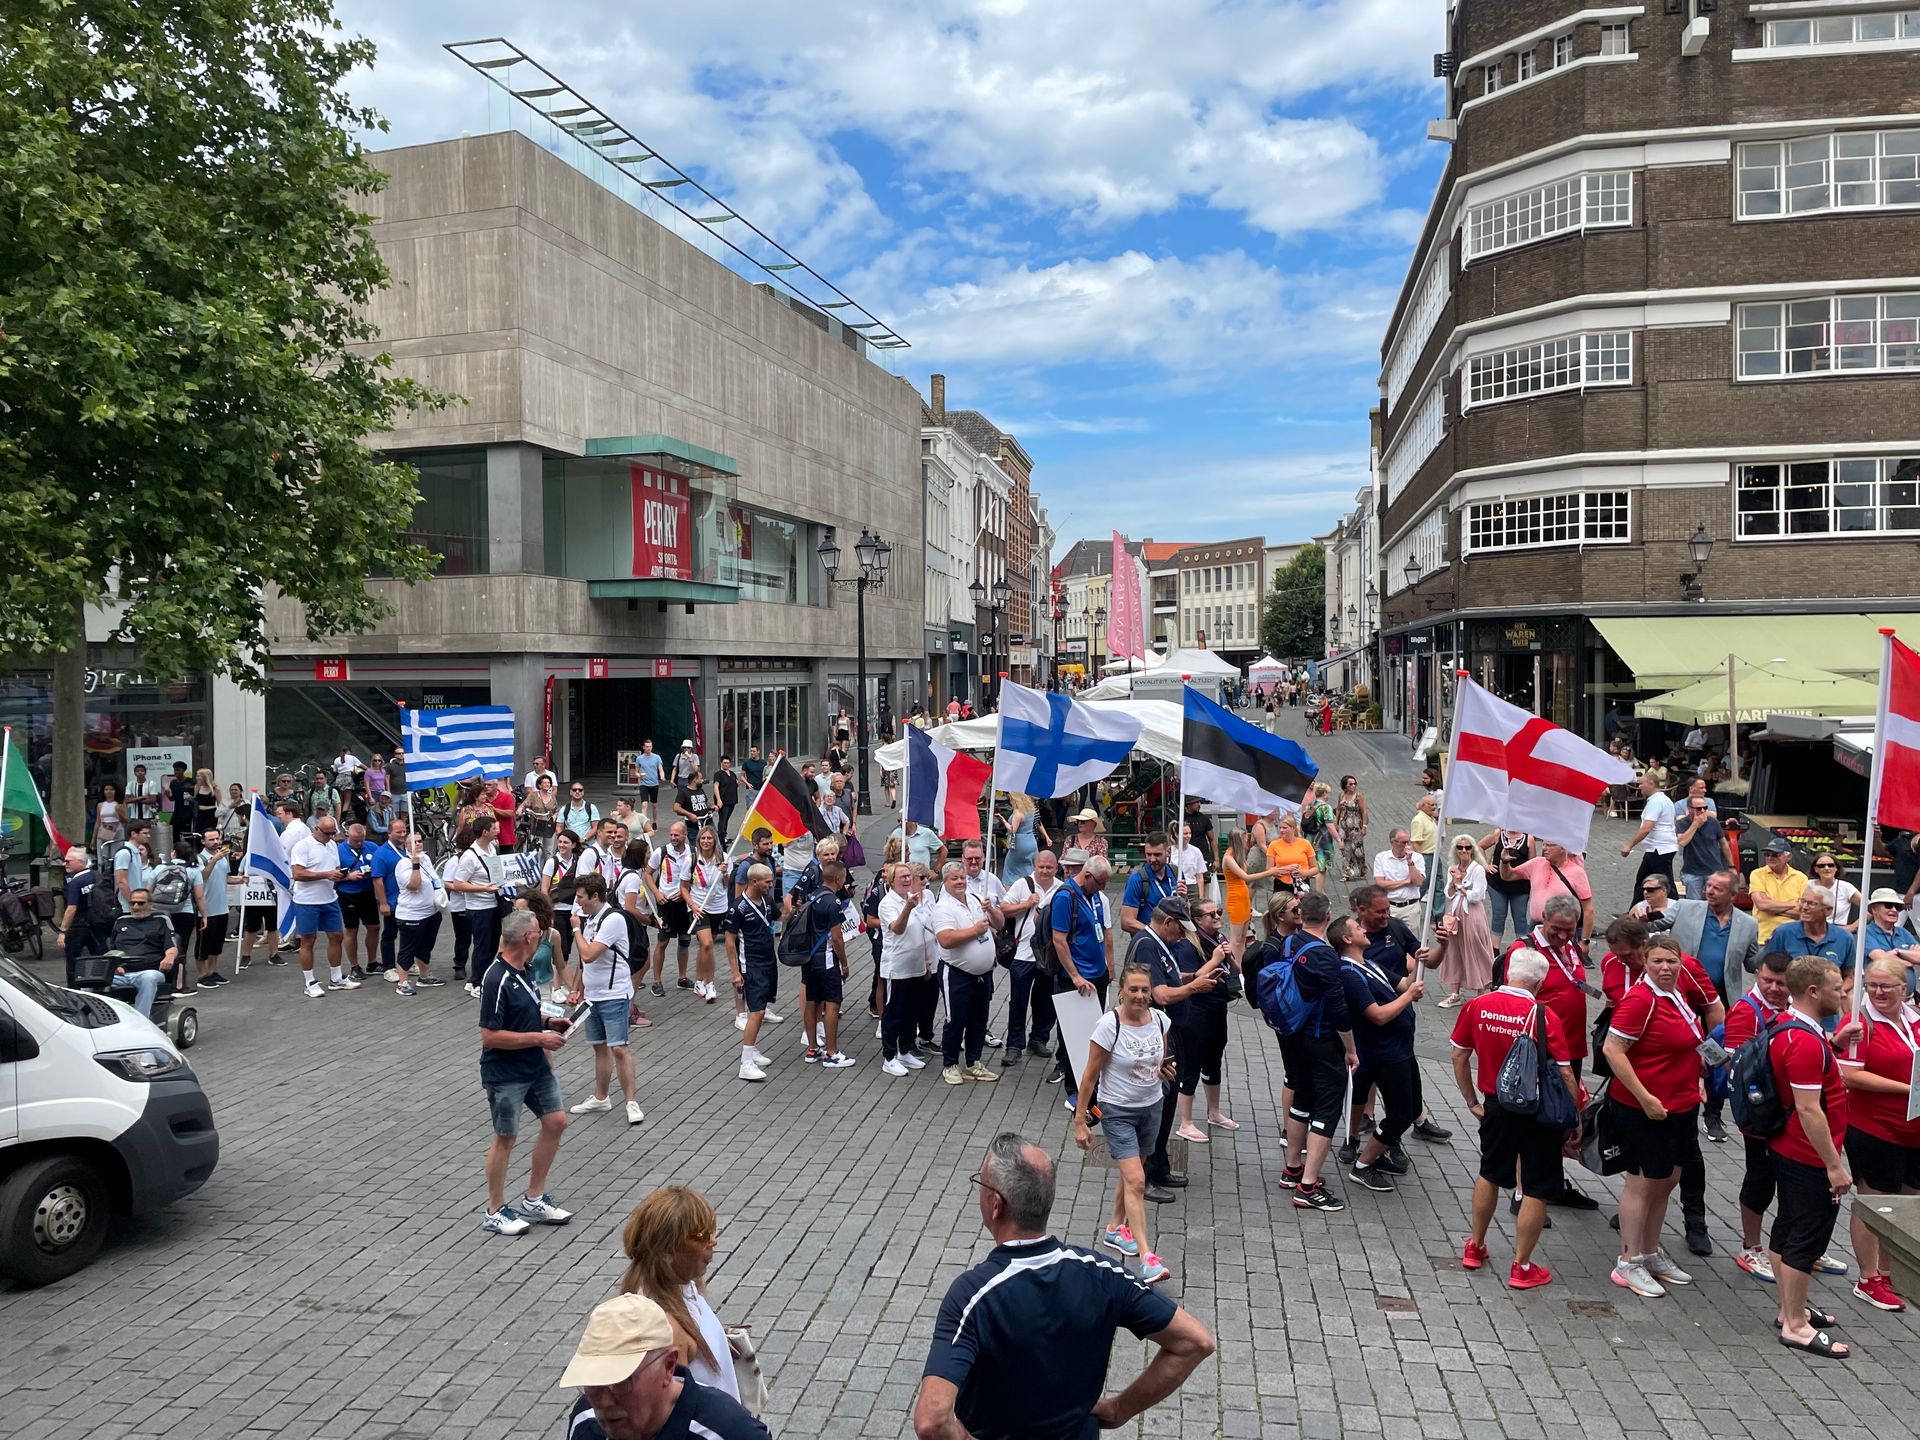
(1648, 391)
(1219, 595)
(629, 499)
(1040, 638)
(1163, 593)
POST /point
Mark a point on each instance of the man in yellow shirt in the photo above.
(1776, 888)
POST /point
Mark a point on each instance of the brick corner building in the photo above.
(1666, 295)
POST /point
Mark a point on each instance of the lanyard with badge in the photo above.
(1570, 972)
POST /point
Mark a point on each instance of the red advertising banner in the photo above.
(597, 668)
(331, 671)
(662, 525)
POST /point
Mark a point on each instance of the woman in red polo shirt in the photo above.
(1883, 1146)
(1652, 1047)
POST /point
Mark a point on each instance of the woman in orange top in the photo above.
(1290, 859)
(1237, 896)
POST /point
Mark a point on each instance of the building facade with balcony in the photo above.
(1649, 393)
(628, 499)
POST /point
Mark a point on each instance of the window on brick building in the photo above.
(1878, 27)
(1854, 496)
(1572, 362)
(1492, 78)
(1563, 51)
(1580, 202)
(1851, 170)
(1864, 334)
(1616, 39)
(1602, 517)
(1524, 63)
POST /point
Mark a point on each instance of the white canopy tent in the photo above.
(1159, 736)
(1128, 665)
(1267, 671)
(1201, 665)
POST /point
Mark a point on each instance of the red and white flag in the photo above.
(1895, 799)
(1517, 771)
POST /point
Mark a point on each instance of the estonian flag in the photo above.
(1228, 761)
(784, 806)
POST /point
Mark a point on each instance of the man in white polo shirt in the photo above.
(1398, 871)
(316, 905)
(1656, 832)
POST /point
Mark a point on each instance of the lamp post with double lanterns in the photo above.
(989, 693)
(1059, 614)
(873, 555)
(1099, 621)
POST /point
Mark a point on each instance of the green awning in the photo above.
(1759, 691)
(668, 452)
(1675, 650)
(690, 592)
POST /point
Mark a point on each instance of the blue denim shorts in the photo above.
(1130, 1133)
(607, 1024)
(541, 1097)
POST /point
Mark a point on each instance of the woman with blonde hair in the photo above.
(206, 805)
(1237, 887)
(669, 1243)
(1025, 836)
(1317, 824)
(1466, 938)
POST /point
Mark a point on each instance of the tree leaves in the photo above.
(187, 371)
(1293, 622)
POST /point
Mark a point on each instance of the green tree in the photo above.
(187, 373)
(1293, 618)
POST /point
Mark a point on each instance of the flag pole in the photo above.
(6, 761)
(1873, 807)
(239, 930)
(1440, 840)
(1180, 800)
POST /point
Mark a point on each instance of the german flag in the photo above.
(784, 806)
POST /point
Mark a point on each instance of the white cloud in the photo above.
(1167, 494)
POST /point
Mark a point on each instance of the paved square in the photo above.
(332, 1280)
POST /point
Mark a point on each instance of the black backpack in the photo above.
(1044, 955)
(797, 936)
(103, 903)
(1753, 1092)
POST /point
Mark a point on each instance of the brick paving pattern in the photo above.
(332, 1280)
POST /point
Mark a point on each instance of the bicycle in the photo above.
(21, 923)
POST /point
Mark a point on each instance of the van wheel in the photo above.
(54, 1215)
(185, 1027)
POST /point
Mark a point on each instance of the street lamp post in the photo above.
(1099, 619)
(989, 693)
(873, 555)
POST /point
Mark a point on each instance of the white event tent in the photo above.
(1159, 736)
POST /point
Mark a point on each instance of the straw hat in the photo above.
(1089, 814)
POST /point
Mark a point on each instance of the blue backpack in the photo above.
(1278, 988)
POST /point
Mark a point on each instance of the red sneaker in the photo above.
(1527, 1277)
(1877, 1291)
(1474, 1255)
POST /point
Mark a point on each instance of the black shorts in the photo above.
(1880, 1165)
(359, 909)
(821, 984)
(1655, 1148)
(255, 918)
(763, 984)
(1807, 1211)
(1316, 1070)
(676, 919)
(1398, 1082)
(1519, 1150)
(1756, 1184)
(649, 794)
(717, 924)
(213, 939)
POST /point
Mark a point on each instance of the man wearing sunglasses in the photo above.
(632, 1388)
(577, 815)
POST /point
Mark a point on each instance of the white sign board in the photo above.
(260, 892)
(159, 760)
(1078, 1014)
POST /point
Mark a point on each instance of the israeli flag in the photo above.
(267, 860)
(441, 747)
(1051, 745)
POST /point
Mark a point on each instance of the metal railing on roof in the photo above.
(512, 70)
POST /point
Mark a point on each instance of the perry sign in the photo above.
(662, 533)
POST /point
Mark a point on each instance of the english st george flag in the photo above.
(1520, 772)
(784, 806)
(1895, 801)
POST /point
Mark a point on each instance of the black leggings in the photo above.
(900, 1013)
(1198, 1046)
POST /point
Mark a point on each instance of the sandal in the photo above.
(1821, 1320)
(1223, 1123)
(1193, 1135)
(1822, 1344)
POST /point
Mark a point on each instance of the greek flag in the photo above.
(443, 746)
(267, 860)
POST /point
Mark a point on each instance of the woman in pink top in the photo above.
(500, 796)
(1554, 871)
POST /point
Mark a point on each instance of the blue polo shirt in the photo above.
(1169, 965)
(1714, 936)
(1836, 944)
(352, 861)
(701, 1413)
(384, 860)
(1033, 1298)
(649, 767)
(754, 924)
(1378, 1044)
(1089, 920)
(1146, 890)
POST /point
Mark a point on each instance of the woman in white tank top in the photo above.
(669, 1240)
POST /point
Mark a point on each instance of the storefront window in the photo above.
(769, 557)
(450, 518)
(770, 716)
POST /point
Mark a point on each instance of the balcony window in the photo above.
(1866, 496)
(450, 517)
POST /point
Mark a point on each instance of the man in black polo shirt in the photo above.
(1394, 950)
(514, 1044)
(1035, 1297)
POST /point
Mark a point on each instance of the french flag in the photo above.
(942, 790)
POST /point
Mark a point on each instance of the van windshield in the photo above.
(60, 1002)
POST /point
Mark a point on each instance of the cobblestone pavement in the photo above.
(332, 1279)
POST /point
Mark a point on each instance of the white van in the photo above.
(99, 1115)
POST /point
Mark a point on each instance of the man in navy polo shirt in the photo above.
(1152, 881)
(1035, 1297)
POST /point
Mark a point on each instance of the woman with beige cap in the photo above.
(1086, 833)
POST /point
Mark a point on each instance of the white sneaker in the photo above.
(392, 977)
(541, 1210)
(751, 1071)
(740, 1021)
(634, 1113)
(314, 991)
(1828, 1265)
(837, 1061)
(592, 1105)
(346, 982)
(473, 991)
(1632, 1275)
(772, 1017)
(1662, 1268)
(504, 1222)
(759, 1057)
(911, 1060)
(894, 1067)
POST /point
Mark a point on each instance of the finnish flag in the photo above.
(1051, 745)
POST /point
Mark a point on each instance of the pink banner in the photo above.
(1127, 622)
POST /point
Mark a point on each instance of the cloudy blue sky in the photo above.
(1157, 240)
